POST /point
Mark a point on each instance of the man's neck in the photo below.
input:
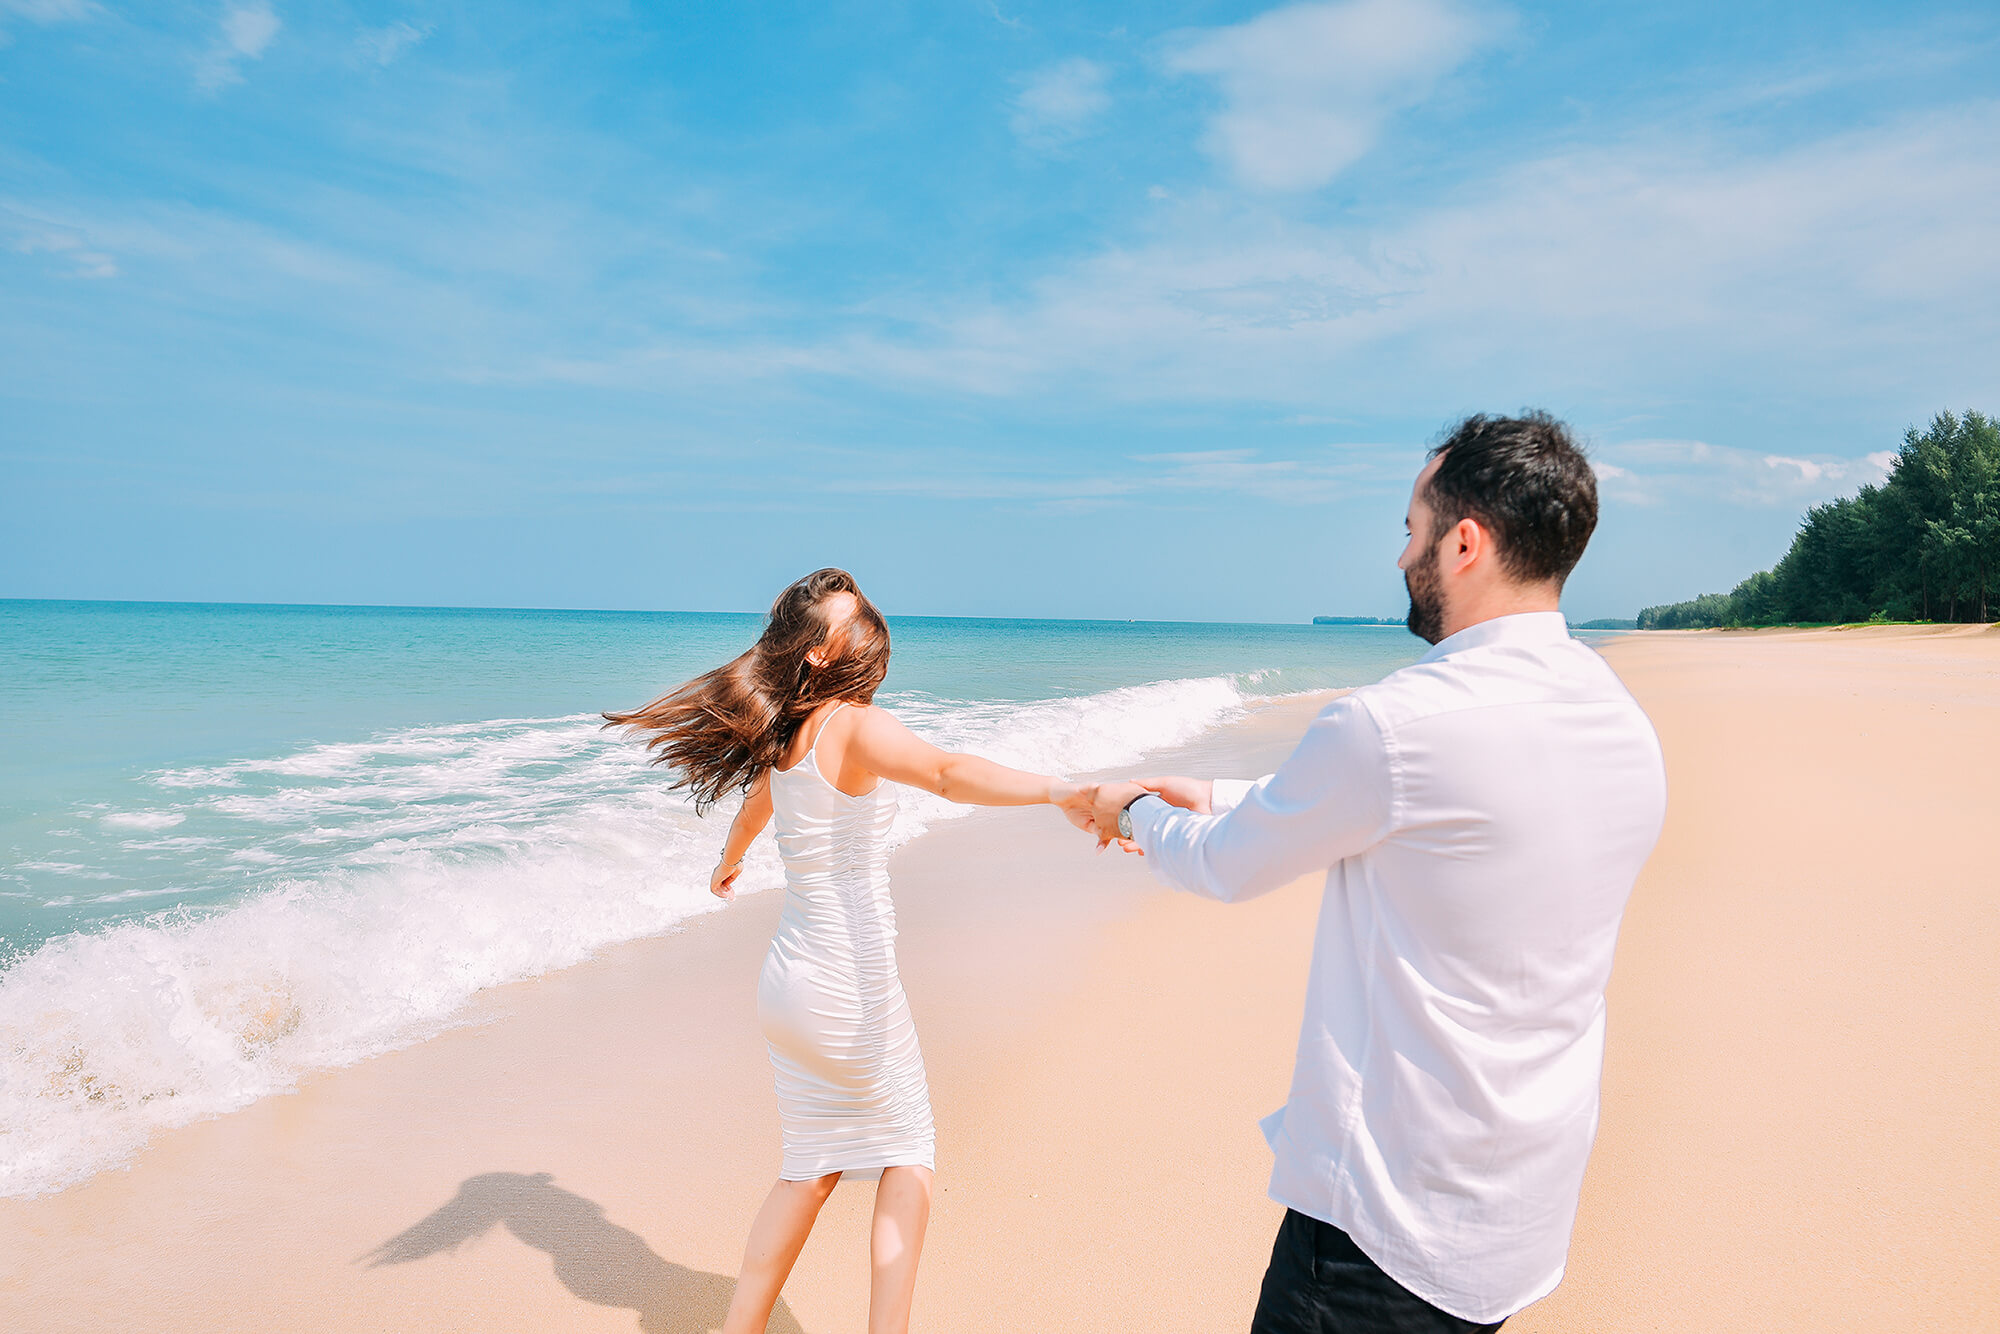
(1512, 602)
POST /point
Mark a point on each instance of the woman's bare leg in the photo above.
(902, 1212)
(776, 1239)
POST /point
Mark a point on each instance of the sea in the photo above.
(241, 844)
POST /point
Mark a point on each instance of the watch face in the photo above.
(1125, 823)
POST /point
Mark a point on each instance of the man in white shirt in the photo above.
(1481, 817)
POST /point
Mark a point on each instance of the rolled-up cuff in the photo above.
(1229, 793)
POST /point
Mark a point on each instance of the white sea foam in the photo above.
(75, 870)
(1064, 736)
(399, 877)
(144, 819)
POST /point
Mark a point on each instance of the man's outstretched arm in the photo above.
(1331, 798)
(1203, 796)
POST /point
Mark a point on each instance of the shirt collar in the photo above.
(1523, 627)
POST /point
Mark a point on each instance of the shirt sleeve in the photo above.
(1330, 799)
(1226, 794)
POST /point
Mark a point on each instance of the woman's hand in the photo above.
(722, 880)
(1074, 803)
(1078, 807)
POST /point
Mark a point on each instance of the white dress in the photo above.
(851, 1091)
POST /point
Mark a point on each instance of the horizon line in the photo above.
(628, 611)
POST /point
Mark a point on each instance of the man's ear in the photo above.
(1471, 542)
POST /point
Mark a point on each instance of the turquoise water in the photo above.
(110, 708)
(240, 843)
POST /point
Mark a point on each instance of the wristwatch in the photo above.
(1125, 815)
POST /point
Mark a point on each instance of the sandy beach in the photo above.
(1797, 1131)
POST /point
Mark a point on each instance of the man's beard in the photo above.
(1426, 619)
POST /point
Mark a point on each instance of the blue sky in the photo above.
(1073, 310)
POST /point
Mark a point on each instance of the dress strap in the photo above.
(822, 727)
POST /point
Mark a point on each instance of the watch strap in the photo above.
(1125, 814)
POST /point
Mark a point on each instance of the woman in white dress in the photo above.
(791, 724)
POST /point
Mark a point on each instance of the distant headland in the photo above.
(1357, 620)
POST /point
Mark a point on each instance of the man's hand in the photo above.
(1190, 794)
(1079, 807)
(1106, 800)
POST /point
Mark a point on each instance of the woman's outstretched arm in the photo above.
(743, 830)
(885, 747)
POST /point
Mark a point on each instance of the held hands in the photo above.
(1094, 807)
(1079, 803)
(1108, 800)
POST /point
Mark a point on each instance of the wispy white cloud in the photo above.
(1658, 267)
(27, 232)
(1655, 471)
(1809, 470)
(1320, 476)
(1291, 481)
(387, 45)
(49, 11)
(1897, 57)
(1654, 264)
(1307, 88)
(1848, 473)
(1057, 103)
(1004, 20)
(976, 486)
(1646, 472)
(246, 30)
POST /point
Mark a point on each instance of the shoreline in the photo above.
(641, 1093)
(1796, 1130)
(530, 845)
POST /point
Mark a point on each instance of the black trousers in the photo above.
(1320, 1282)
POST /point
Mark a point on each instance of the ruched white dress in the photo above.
(851, 1090)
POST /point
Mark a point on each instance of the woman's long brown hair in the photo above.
(725, 729)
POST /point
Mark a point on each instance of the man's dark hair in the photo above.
(1523, 479)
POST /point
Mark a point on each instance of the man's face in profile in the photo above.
(1426, 618)
(1419, 564)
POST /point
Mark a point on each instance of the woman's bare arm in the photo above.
(743, 831)
(885, 747)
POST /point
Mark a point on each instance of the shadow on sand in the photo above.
(595, 1258)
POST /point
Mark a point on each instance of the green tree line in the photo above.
(1922, 546)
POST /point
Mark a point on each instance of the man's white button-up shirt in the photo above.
(1482, 815)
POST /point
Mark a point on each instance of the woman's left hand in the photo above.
(722, 880)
